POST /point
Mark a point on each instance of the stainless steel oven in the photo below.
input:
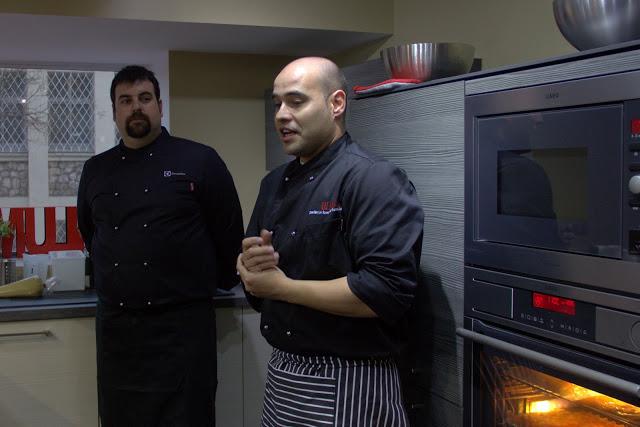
(552, 181)
(543, 353)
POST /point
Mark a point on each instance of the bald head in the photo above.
(310, 101)
(321, 71)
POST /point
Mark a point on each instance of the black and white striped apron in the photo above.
(331, 391)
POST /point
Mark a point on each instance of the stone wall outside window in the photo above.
(14, 178)
(64, 177)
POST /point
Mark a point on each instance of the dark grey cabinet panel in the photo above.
(422, 132)
(364, 74)
(589, 67)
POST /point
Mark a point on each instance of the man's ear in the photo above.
(160, 106)
(338, 102)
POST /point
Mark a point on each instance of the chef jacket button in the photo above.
(150, 155)
(115, 228)
(116, 194)
(265, 327)
(288, 333)
(145, 263)
(293, 233)
(145, 225)
(121, 304)
(148, 302)
(286, 178)
(115, 264)
(311, 178)
(123, 157)
(146, 190)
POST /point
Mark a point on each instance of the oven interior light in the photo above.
(546, 406)
(541, 406)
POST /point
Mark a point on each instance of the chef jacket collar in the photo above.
(153, 145)
(319, 160)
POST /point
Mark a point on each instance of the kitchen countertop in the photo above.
(83, 304)
(591, 53)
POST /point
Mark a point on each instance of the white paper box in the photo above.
(68, 268)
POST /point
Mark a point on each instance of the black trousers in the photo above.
(157, 367)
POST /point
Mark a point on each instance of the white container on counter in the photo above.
(68, 268)
(36, 265)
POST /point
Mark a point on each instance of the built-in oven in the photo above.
(542, 353)
(552, 181)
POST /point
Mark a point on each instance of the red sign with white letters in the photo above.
(24, 221)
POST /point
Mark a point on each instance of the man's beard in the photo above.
(142, 127)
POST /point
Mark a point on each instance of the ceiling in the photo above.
(61, 32)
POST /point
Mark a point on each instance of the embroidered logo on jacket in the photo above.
(326, 208)
(168, 174)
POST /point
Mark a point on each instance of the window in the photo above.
(13, 124)
(13, 133)
(51, 122)
(71, 111)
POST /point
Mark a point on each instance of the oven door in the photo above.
(515, 380)
(551, 179)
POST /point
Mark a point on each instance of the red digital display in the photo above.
(635, 126)
(557, 304)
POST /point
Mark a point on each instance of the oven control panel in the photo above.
(609, 320)
(631, 175)
(555, 314)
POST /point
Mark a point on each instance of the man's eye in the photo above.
(146, 99)
(277, 105)
(125, 101)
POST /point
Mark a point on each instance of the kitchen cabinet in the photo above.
(48, 371)
(421, 131)
(580, 65)
(242, 367)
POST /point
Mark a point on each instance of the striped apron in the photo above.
(330, 391)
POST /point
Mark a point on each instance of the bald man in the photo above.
(331, 262)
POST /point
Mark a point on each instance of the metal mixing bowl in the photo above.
(588, 24)
(427, 61)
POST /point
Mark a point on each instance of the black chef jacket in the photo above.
(162, 223)
(343, 213)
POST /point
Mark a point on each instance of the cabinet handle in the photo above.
(46, 333)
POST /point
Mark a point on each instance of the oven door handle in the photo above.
(615, 383)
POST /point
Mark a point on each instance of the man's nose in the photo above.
(282, 113)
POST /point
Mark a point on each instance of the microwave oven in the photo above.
(552, 181)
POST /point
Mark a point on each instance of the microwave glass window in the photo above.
(551, 179)
(543, 183)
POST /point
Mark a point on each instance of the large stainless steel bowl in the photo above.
(588, 24)
(427, 61)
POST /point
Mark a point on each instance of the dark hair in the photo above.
(132, 74)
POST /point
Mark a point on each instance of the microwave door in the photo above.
(550, 179)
